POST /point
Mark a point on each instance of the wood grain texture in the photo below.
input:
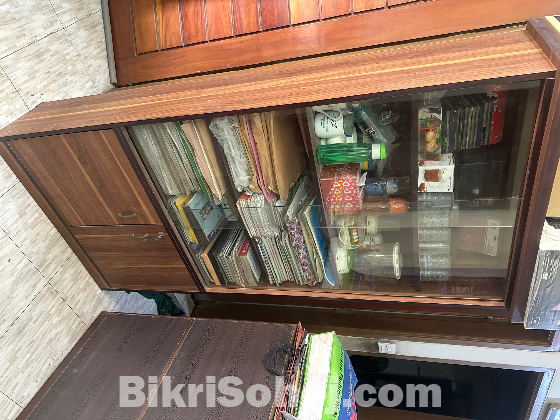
(204, 353)
(376, 27)
(397, 2)
(494, 54)
(87, 178)
(356, 296)
(86, 385)
(332, 8)
(123, 345)
(405, 327)
(362, 5)
(194, 21)
(120, 13)
(144, 19)
(245, 16)
(417, 306)
(303, 11)
(136, 262)
(274, 14)
(168, 24)
(219, 19)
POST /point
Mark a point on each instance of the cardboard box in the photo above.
(436, 175)
(342, 188)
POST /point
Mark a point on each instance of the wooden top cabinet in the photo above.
(452, 213)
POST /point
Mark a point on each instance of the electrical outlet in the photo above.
(387, 348)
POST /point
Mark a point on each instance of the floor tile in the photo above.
(9, 409)
(88, 38)
(24, 22)
(35, 344)
(7, 178)
(111, 299)
(32, 231)
(11, 106)
(71, 11)
(48, 70)
(79, 290)
(20, 282)
(133, 303)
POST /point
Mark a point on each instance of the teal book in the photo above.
(209, 217)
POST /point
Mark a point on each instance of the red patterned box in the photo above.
(340, 188)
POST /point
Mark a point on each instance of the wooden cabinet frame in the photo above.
(493, 57)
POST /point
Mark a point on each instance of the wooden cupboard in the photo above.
(81, 159)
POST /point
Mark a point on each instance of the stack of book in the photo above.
(230, 258)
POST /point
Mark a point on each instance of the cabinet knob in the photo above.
(127, 216)
(146, 237)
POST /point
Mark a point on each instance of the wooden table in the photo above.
(187, 350)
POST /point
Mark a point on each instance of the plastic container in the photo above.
(434, 261)
(373, 239)
(368, 122)
(434, 234)
(336, 154)
(380, 260)
(434, 248)
(435, 275)
(331, 124)
(384, 205)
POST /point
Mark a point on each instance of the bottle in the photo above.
(334, 154)
(380, 187)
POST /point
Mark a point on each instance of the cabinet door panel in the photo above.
(87, 178)
(136, 257)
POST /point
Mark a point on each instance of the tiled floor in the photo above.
(49, 50)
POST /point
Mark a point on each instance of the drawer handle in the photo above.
(146, 237)
(127, 216)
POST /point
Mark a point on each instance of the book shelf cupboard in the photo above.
(84, 163)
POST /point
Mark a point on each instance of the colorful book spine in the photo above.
(188, 228)
(194, 165)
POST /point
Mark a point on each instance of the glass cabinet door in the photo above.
(415, 195)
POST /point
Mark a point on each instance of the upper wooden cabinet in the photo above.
(87, 178)
(147, 41)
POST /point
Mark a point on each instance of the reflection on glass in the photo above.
(412, 195)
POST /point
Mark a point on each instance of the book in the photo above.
(248, 264)
(206, 217)
(316, 223)
(192, 161)
(208, 263)
(178, 202)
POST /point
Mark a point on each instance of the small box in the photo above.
(479, 235)
(436, 175)
(430, 129)
(342, 188)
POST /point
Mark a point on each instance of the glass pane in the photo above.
(414, 195)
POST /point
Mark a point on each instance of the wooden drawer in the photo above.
(139, 257)
(87, 178)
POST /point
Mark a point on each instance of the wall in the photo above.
(49, 50)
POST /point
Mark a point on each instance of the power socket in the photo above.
(386, 347)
